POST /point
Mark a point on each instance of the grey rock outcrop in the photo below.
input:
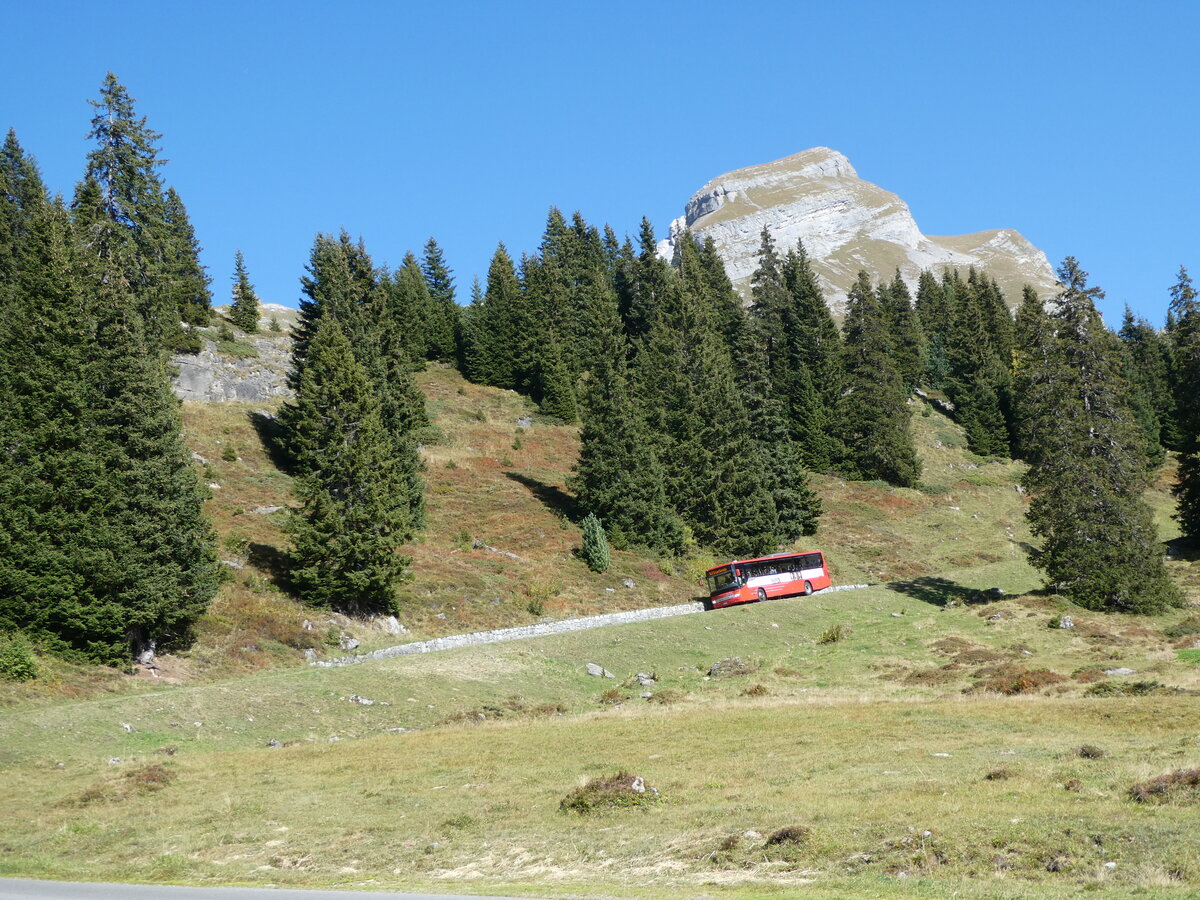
(847, 224)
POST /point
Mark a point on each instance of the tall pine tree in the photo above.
(1099, 543)
(244, 311)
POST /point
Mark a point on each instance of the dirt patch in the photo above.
(949, 646)
(940, 675)
(143, 780)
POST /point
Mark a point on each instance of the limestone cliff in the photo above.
(847, 224)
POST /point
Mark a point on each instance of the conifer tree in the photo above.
(356, 491)
(904, 329)
(1184, 335)
(158, 247)
(618, 477)
(873, 416)
(1099, 542)
(244, 312)
(442, 342)
(595, 550)
(104, 550)
(494, 326)
(22, 195)
(1141, 354)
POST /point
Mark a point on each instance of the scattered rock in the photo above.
(213, 486)
(751, 835)
(114, 760)
(274, 742)
(361, 701)
(731, 667)
(897, 615)
(346, 642)
(646, 695)
(941, 755)
(645, 679)
(390, 625)
(307, 625)
(995, 592)
(1066, 622)
(233, 564)
(265, 510)
(1110, 865)
(525, 421)
(198, 458)
(128, 728)
(629, 583)
(610, 590)
(146, 657)
(599, 671)
(1120, 671)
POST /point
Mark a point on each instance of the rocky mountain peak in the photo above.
(846, 224)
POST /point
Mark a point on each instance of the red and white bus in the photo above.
(780, 575)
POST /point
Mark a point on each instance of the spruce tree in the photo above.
(356, 489)
(1184, 335)
(104, 549)
(1099, 543)
(158, 249)
(618, 477)
(22, 196)
(595, 550)
(873, 415)
(904, 329)
(442, 342)
(244, 312)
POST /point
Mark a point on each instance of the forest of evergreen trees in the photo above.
(701, 415)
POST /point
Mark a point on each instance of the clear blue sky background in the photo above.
(1073, 122)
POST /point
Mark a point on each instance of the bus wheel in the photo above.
(807, 588)
(762, 595)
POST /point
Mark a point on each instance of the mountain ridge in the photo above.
(846, 224)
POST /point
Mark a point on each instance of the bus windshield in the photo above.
(722, 579)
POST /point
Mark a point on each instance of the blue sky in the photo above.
(1075, 123)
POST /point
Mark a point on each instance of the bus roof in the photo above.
(738, 562)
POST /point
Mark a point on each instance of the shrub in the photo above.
(1181, 784)
(1188, 626)
(229, 454)
(789, 834)
(759, 690)
(17, 662)
(666, 697)
(834, 633)
(619, 791)
(1017, 680)
(1089, 751)
(1127, 689)
(612, 697)
(595, 550)
(225, 333)
(1000, 774)
(273, 326)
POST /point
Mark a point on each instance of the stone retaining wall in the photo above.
(529, 631)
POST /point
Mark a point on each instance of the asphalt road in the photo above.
(22, 889)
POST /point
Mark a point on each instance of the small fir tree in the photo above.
(595, 550)
(244, 313)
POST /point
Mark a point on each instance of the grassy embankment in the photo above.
(448, 780)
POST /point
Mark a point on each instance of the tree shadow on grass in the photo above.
(1186, 549)
(271, 560)
(270, 432)
(942, 591)
(551, 496)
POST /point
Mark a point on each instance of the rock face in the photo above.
(847, 224)
(213, 377)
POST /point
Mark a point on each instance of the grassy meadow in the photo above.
(931, 735)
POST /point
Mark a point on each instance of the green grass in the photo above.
(239, 764)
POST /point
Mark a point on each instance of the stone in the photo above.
(645, 679)
(629, 583)
(638, 785)
(347, 642)
(1120, 671)
(1066, 622)
(525, 421)
(146, 657)
(598, 671)
(390, 625)
(646, 695)
(233, 564)
(196, 457)
(265, 510)
(846, 224)
(361, 701)
(212, 377)
(128, 728)
(274, 742)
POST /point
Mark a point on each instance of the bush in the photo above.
(833, 634)
(1017, 680)
(1127, 689)
(619, 791)
(1089, 751)
(595, 550)
(789, 834)
(17, 662)
(1181, 784)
